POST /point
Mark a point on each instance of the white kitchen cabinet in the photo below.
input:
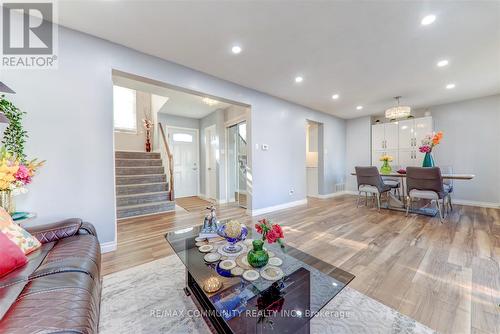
(401, 141)
(408, 158)
(391, 136)
(385, 136)
(406, 137)
(422, 127)
(378, 137)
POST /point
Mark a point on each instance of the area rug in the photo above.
(150, 299)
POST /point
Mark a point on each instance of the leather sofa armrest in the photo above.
(87, 228)
(56, 231)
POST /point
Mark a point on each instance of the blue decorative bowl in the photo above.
(231, 246)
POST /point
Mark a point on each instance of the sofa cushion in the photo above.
(17, 234)
(13, 283)
(66, 301)
(77, 253)
(11, 256)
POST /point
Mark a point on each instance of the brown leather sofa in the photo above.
(59, 289)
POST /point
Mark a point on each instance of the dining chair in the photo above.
(425, 183)
(448, 185)
(370, 182)
(394, 183)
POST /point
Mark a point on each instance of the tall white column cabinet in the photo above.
(400, 140)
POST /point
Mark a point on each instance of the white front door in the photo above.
(184, 146)
(210, 162)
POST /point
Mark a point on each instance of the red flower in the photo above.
(258, 227)
(279, 232)
(272, 236)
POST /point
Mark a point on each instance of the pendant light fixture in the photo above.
(398, 111)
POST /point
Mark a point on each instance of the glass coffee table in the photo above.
(260, 306)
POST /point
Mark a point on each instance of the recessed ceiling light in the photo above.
(236, 49)
(359, 107)
(299, 79)
(335, 96)
(442, 63)
(450, 86)
(429, 19)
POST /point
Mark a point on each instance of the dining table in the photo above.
(396, 204)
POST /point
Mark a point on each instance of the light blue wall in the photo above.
(471, 144)
(358, 147)
(70, 122)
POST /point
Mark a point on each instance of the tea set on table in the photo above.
(226, 246)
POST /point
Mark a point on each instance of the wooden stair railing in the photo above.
(170, 162)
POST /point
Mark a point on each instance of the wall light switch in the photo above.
(256, 146)
(265, 147)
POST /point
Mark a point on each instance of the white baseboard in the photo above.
(475, 203)
(107, 247)
(278, 207)
(336, 194)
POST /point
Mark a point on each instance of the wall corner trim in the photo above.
(107, 247)
(278, 207)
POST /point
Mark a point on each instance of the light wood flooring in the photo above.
(446, 276)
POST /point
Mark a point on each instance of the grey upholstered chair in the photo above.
(448, 185)
(370, 182)
(394, 183)
(425, 183)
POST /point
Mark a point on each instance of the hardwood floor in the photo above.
(446, 276)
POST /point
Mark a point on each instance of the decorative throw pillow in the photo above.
(11, 256)
(17, 234)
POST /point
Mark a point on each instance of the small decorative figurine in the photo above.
(210, 226)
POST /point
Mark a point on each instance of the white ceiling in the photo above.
(179, 103)
(367, 52)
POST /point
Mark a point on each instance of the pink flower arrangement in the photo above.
(23, 175)
(270, 232)
(430, 141)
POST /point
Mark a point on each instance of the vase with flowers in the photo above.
(15, 175)
(386, 168)
(428, 144)
(258, 256)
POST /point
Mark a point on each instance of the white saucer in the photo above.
(271, 273)
(251, 275)
(198, 239)
(212, 257)
(205, 248)
(227, 264)
(275, 261)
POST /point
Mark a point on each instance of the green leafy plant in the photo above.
(14, 136)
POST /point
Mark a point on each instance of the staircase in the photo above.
(141, 185)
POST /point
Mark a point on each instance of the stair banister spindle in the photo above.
(170, 162)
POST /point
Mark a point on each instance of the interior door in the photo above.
(211, 162)
(184, 145)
